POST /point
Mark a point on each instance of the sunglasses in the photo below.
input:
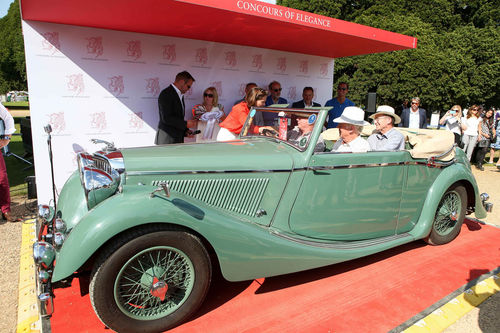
(414, 103)
(339, 88)
(276, 90)
(208, 95)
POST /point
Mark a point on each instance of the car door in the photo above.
(350, 196)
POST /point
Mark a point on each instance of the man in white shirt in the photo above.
(8, 128)
(414, 117)
(172, 128)
(350, 125)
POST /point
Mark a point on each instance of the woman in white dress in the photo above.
(209, 114)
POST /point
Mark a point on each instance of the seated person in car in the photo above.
(386, 137)
(350, 125)
(300, 134)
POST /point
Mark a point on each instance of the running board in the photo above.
(350, 245)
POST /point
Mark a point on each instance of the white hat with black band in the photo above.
(386, 110)
(352, 115)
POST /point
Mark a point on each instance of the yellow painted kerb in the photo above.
(28, 319)
(449, 313)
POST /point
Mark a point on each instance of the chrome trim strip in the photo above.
(313, 168)
(195, 172)
(355, 166)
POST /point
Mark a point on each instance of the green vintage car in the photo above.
(152, 223)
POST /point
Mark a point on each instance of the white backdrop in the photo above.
(94, 83)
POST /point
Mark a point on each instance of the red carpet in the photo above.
(372, 294)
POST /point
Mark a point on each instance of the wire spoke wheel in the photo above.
(150, 280)
(447, 213)
(134, 283)
(449, 217)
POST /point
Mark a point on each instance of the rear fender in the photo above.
(456, 173)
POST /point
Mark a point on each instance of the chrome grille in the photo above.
(102, 164)
(241, 196)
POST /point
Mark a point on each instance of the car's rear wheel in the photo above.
(449, 216)
(150, 283)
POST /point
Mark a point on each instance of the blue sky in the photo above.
(4, 7)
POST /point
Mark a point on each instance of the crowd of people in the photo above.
(475, 132)
(474, 129)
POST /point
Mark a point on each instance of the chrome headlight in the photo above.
(45, 213)
(99, 183)
(44, 254)
(43, 276)
(60, 225)
(58, 240)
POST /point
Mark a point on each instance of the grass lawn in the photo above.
(16, 169)
(16, 104)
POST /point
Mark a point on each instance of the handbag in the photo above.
(461, 142)
(483, 143)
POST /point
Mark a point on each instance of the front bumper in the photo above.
(50, 237)
(44, 257)
(488, 206)
(46, 304)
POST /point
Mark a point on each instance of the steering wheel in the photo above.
(269, 132)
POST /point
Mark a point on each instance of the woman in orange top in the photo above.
(234, 122)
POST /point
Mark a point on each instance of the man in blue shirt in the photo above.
(386, 137)
(273, 98)
(338, 104)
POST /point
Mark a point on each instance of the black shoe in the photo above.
(480, 167)
(8, 217)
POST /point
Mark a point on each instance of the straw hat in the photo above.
(388, 111)
(352, 115)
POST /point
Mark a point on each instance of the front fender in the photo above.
(449, 176)
(133, 207)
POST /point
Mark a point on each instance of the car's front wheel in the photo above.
(449, 216)
(150, 283)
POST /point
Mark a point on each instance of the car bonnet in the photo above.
(238, 155)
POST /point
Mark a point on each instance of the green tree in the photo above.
(12, 60)
(457, 59)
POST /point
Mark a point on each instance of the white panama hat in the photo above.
(352, 115)
(388, 111)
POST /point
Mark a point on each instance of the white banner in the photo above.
(94, 83)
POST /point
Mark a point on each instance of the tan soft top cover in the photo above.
(426, 143)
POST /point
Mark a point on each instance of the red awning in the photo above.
(249, 23)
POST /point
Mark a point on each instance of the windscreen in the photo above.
(293, 126)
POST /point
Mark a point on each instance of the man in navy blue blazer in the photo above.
(172, 128)
(307, 99)
(414, 117)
